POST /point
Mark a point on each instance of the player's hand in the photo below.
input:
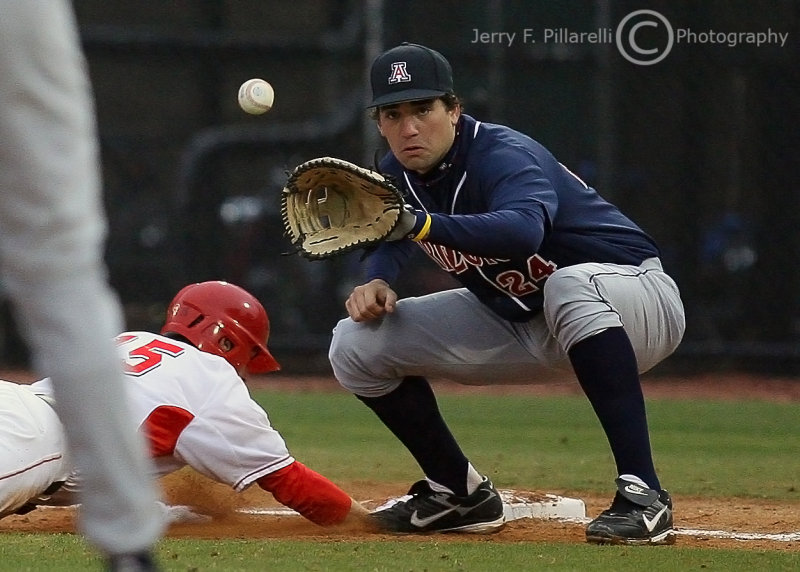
(358, 519)
(371, 300)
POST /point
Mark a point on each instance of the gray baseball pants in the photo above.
(452, 335)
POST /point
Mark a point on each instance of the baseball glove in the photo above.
(330, 206)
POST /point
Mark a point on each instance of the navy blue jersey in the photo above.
(505, 215)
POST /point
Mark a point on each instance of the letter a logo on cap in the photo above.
(399, 74)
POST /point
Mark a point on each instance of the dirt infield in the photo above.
(748, 524)
(766, 521)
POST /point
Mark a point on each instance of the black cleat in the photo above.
(636, 516)
(429, 511)
(138, 562)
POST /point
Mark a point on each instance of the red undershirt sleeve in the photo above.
(163, 427)
(309, 493)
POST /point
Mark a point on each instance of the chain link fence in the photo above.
(684, 113)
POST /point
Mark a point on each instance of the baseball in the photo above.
(256, 96)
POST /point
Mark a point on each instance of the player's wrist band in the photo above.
(425, 230)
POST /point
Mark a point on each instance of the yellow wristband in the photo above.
(426, 228)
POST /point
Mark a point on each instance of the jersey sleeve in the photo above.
(388, 259)
(231, 441)
(520, 200)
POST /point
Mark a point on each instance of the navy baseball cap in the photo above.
(409, 72)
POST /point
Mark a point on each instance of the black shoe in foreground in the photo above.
(429, 511)
(139, 562)
(637, 516)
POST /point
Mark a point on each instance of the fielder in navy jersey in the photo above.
(553, 276)
(529, 216)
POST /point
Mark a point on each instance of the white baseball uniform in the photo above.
(195, 410)
(52, 231)
(32, 446)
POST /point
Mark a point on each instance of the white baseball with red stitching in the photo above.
(256, 96)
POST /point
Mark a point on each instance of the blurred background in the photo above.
(694, 136)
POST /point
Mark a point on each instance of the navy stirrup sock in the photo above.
(605, 365)
(411, 413)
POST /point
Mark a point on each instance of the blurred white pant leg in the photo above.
(52, 230)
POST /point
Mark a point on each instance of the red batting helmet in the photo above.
(224, 320)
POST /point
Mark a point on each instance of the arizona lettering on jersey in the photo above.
(505, 215)
(455, 261)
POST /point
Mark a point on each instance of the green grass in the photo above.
(472, 556)
(721, 449)
(716, 449)
(68, 553)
